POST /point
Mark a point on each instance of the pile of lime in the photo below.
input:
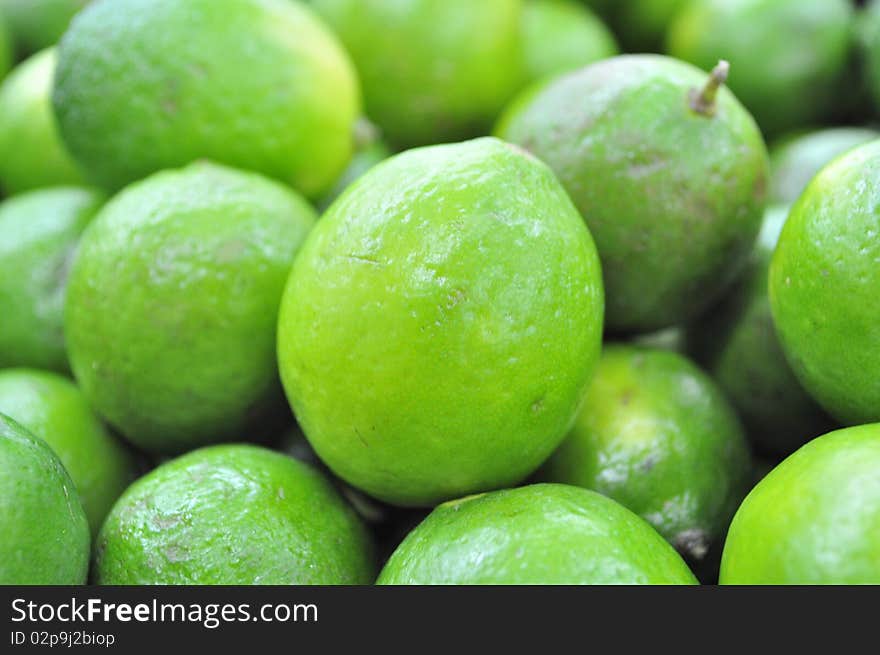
(439, 292)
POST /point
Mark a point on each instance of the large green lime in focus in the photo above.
(233, 515)
(736, 342)
(539, 534)
(32, 154)
(825, 285)
(787, 56)
(656, 435)
(38, 24)
(262, 85)
(815, 519)
(45, 532)
(40, 231)
(668, 170)
(795, 161)
(52, 408)
(562, 35)
(432, 70)
(173, 301)
(442, 322)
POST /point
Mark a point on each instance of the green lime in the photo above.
(540, 534)
(432, 70)
(32, 154)
(441, 323)
(6, 57)
(45, 532)
(795, 161)
(736, 342)
(172, 305)
(257, 84)
(868, 38)
(787, 56)
(815, 519)
(562, 35)
(40, 231)
(824, 284)
(656, 435)
(38, 24)
(52, 408)
(659, 160)
(233, 515)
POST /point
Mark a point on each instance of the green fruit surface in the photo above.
(40, 231)
(144, 85)
(656, 435)
(539, 534)
(45, 532)
(562, 35)
(432, 70)
(442, 322)
(673, 197)
(643, 24)
(32, 154)
(38, 24)
(5, 47)
(173, 300)
(814, 519)
(795, 161)
(824, 286)
(786, 56)
(53, 409)
(233, 514)
(736, 342)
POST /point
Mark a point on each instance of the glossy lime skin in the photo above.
(235, 515)
(40, 231)
(795, 161)
(5, 48)
(786, 56)
(38, 24)
(45, 532)
(432, 70)
(561, 36)
(539, 534)
(441, 323)
(736, 342)
(32, 154)
(673, 197)
(55, 410)
(173, 300)
(656, 435)
(144, 85)
(824, 285)
(815, 519)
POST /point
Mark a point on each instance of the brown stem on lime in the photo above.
(703, 100)
(365, 133)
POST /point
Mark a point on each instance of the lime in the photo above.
(824, 284)
(562, 35)
(736, 342)
(172, 305)
(144, 85)
(815, 519)
(795, 161)
(233, 514)
(656, 435)
(432, 70)
(5, 48)
(441, 323)
(32, 154)
(52, 408)
(38, 24)
(659, 160)
(540, 534)
(643, 24)
(787, 56)
(40, 231)
(45, 532)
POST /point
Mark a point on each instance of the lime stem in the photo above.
(703, 101)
